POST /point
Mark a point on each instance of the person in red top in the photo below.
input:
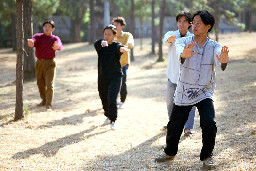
(46, 45)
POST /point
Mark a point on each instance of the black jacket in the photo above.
(109, 59)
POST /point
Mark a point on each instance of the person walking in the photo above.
(109, 72)
(199, 55)
(183, 20)
(46, 45)
(127, 40)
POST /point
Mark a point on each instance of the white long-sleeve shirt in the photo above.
(173, 67)
(197, 74)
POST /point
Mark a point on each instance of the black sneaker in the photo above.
(163, 157)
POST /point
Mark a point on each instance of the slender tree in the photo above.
(153, 26)
(132, 27)
(29, 57)
(92, 22)
(19, 114)
(161, 24)
(217, 18)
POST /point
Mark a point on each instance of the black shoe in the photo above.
(187, 133)
(164, 157)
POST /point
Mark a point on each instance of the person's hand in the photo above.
(55, 46)
(124, 49)
(172, 39)
(30, 43)
(188, 50)
(223, 58)
(104, 43)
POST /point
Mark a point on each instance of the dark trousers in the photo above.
(123, 91)
(108, 90)
(177, 121)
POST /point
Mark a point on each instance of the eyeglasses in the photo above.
(196, 24)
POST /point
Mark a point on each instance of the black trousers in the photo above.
(123, 91)
(208, 125)
(108, 90)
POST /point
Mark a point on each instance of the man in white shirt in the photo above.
(183, 20)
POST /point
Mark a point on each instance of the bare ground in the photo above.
(71, 136)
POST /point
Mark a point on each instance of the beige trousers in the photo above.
(45, 74)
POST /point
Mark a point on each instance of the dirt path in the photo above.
(71, 136)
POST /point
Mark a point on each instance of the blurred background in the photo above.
(84, 20)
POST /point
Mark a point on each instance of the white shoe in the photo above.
(106, 122)
(121, 105)
(118, 102)
(113, 125)
(209, 162)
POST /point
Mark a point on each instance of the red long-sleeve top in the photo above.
(44, 44)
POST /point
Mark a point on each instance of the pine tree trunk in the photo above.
(19, 66)
(92, 35)
(160, 57)
(14, 40)
(153, 26)
(29, 57)
(132, 27)
(217, 19)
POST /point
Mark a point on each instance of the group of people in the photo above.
(192, 59)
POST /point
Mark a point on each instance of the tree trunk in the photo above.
(132, 27)
(92, 23)
(13, 25)
(141, 34)
(250, 19)
(153, 26)
(106, 13)
(19, 66)
(78, 30)
(217, 19)
(29, 57)
(161, 24)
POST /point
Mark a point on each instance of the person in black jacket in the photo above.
(109, 72)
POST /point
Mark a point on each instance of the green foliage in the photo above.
(74, 8)
(241, 26)
(44, 9)
(7, 8)
(26, 110)
(252, 3)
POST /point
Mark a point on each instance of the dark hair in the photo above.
(206, 17)
(120, 20)
(49, 22)
(185, 14)
(111, 27)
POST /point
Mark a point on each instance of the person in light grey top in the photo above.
(183, 20)
(197, 79)
(199, 56)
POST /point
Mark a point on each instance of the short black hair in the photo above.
(111, 27)
(120, 20)
(185, 14)
(49, 22)
(206, 17)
